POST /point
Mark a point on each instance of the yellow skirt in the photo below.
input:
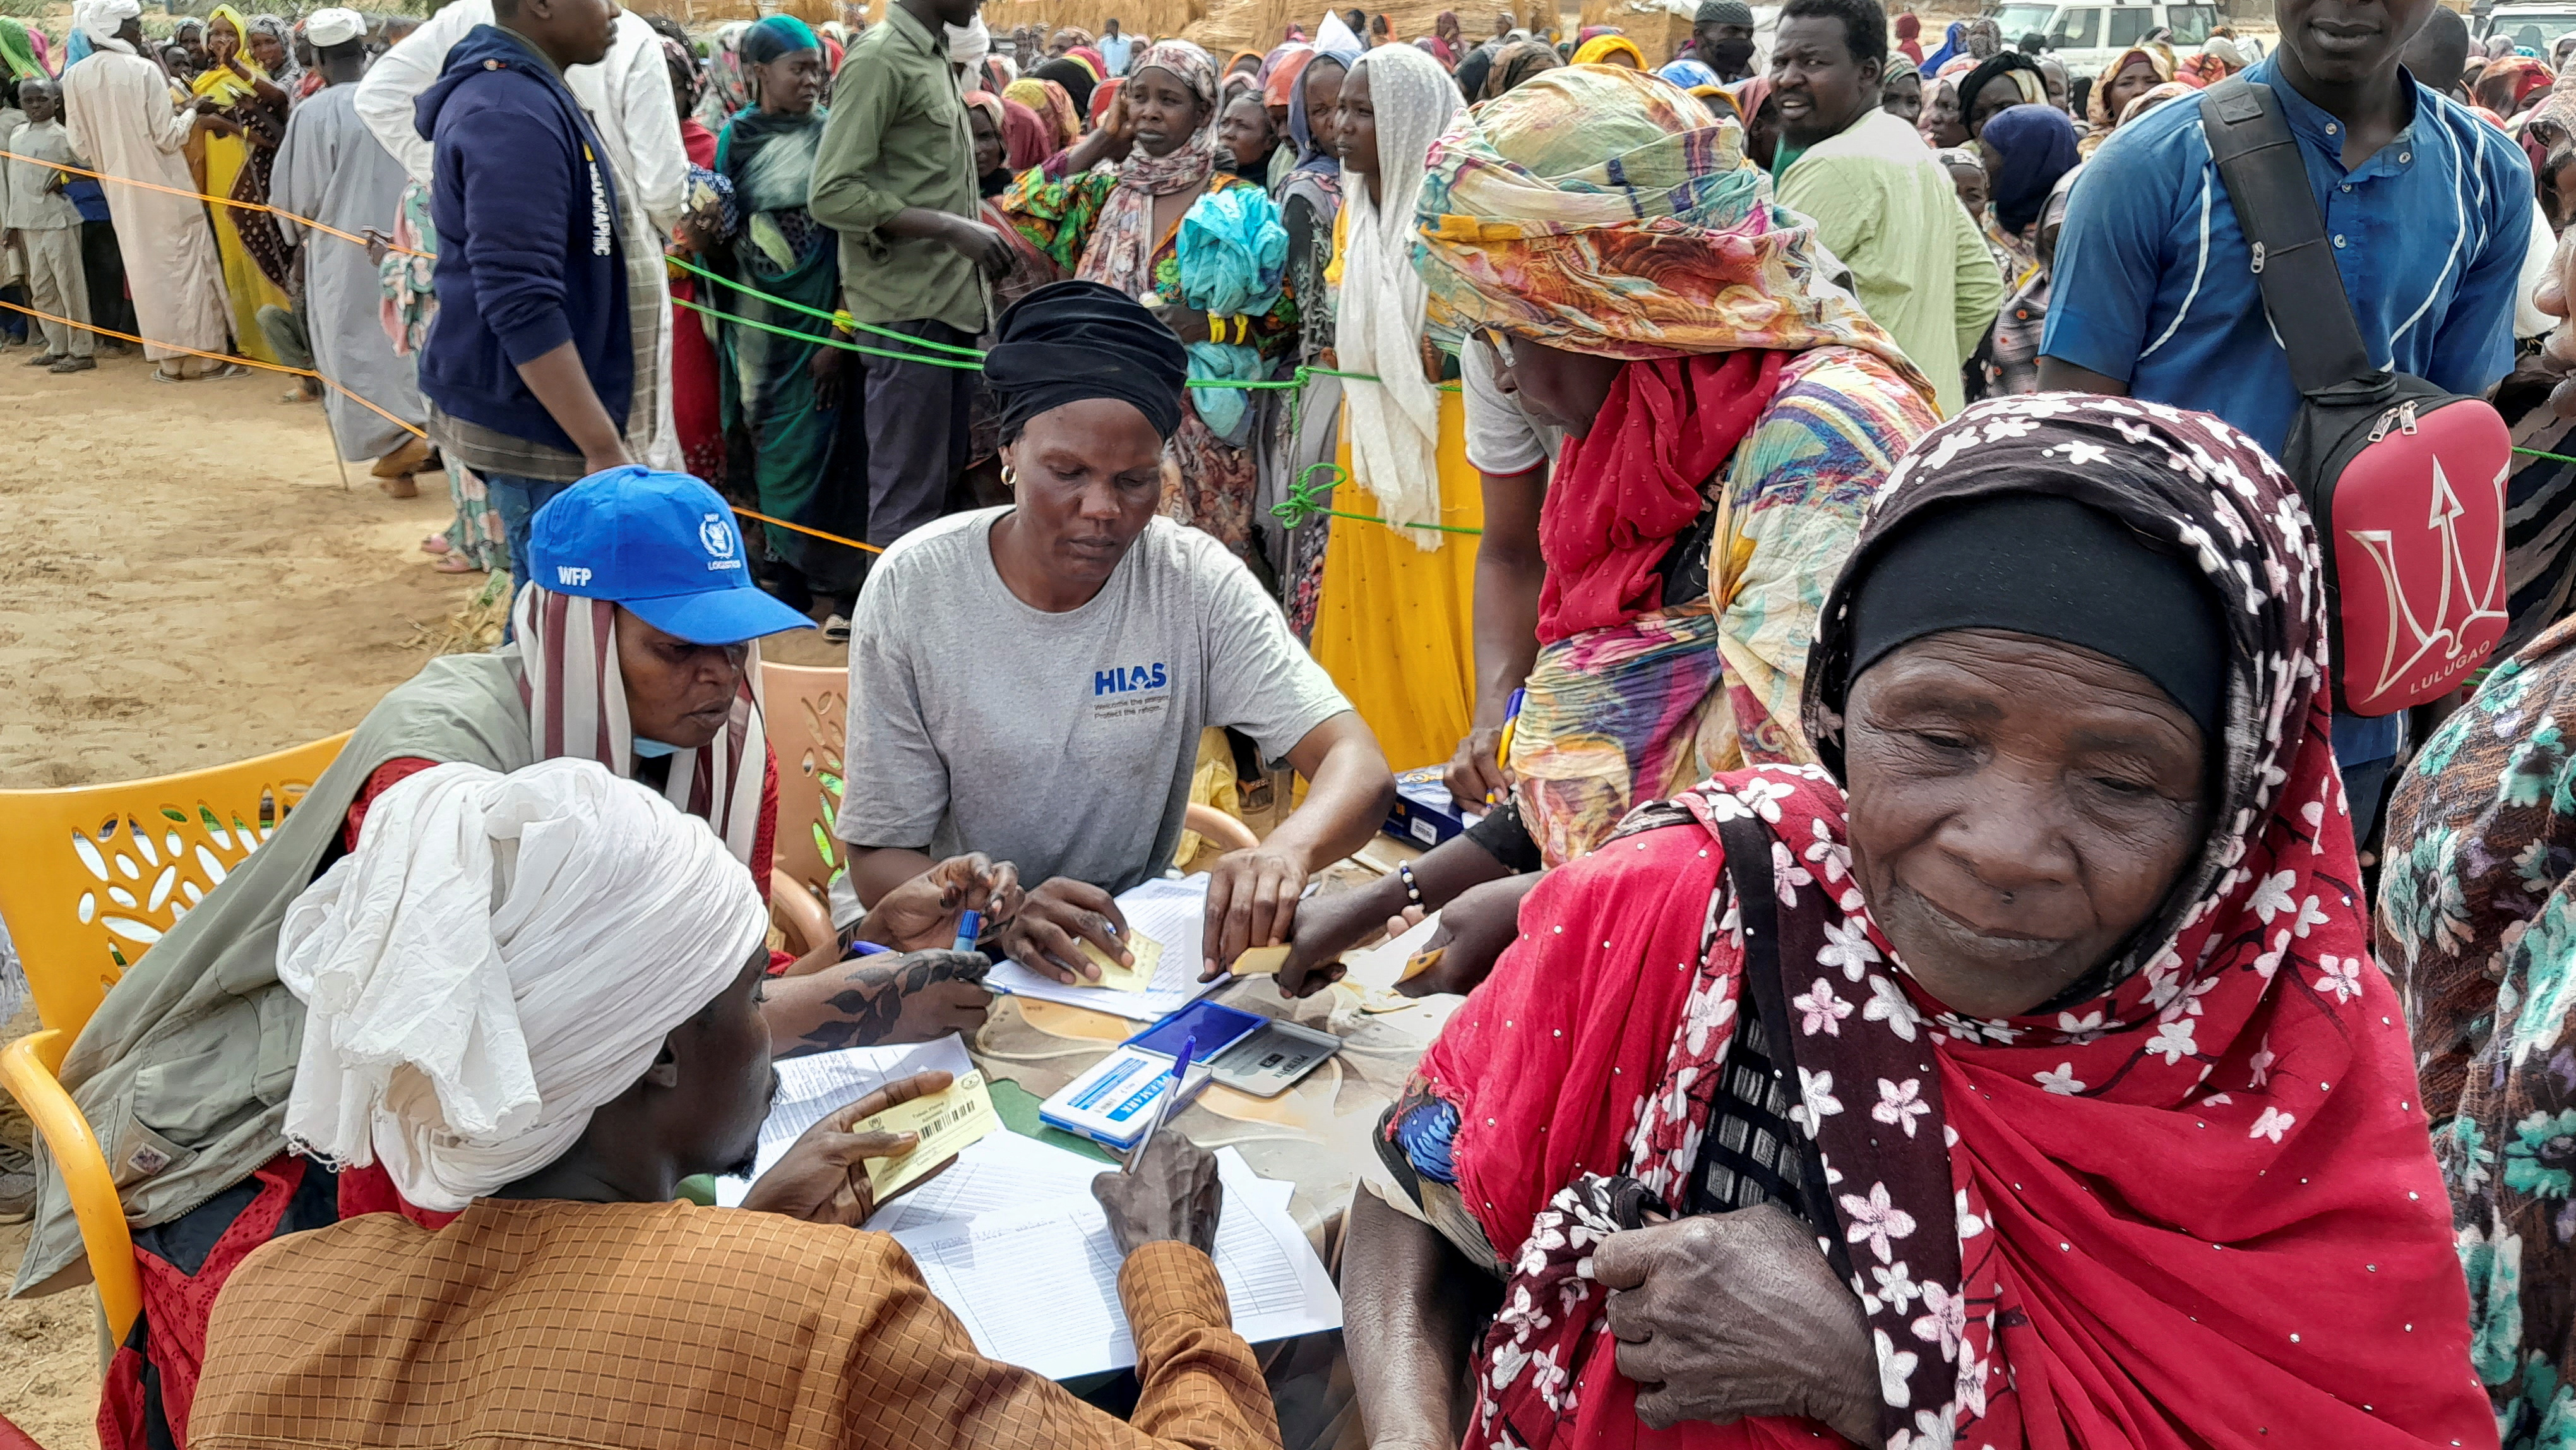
(1394, 625)
(244, 283)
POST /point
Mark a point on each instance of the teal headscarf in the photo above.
(776, 36)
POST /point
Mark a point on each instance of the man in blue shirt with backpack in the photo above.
(2427, 208)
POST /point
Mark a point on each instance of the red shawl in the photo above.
(2197, 1208)
(1623, 491)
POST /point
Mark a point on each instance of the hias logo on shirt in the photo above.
(717, 535)
(1127, 679)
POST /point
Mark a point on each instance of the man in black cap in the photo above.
(1722, 38)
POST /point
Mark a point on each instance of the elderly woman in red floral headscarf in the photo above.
(2018, 1076)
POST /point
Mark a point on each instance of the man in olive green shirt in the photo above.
(896, 178)
(1880, 201)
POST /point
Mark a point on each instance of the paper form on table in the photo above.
(1038, 1286)
(810, 1086)
(1008, 1171)
(1165, 910)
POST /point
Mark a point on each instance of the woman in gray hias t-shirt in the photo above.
(1032, 680)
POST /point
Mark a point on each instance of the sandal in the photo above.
(453, 564)
(437, 544)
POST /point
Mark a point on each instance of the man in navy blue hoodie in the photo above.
(535, 363)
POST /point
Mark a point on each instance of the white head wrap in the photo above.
(500, 957)
(1395, 422)
(334, 26)
(102, 18)
(968, 45)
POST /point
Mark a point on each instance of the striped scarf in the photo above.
(577, 706)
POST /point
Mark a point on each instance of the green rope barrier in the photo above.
(1302, 505)
(937, 362)
(838, 319)
(2552, 457)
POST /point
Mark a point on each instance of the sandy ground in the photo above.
(184, 581)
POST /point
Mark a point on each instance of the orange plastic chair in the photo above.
(806, 708)
(96, 875)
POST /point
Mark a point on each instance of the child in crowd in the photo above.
(40, 224)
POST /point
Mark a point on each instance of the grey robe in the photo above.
(332, 168)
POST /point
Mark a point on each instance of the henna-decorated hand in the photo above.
(912, 998)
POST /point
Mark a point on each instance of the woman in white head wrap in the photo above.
(1395, 103)
(1393, 614)
(478, 978)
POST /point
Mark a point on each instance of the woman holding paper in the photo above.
(1030, 681)
(612, 949)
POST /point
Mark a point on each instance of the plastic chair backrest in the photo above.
(806, 709)
(97, 873)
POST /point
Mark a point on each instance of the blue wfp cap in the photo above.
(662, 544)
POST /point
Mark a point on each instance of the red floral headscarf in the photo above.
(2192, 1202)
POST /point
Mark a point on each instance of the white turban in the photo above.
(334, 26)
(500, 957)
(968, 45)
(102, 18)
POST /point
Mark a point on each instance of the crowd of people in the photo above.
(1813, 499)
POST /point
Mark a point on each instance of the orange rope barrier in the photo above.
(308, 372)
(388, 417)
(223, 358)
(800, 528)
(217, 200)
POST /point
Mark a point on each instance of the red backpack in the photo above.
(2404, 480)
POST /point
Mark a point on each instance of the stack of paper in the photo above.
(1011, 1240)
(1168, 911)
(1037, 1285)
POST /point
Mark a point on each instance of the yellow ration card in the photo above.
(953, 1118)
(1261, 962)
(1148, 953)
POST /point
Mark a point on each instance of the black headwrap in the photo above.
(2044, 565)
(2178, 488)
(1074, 340)
(1069, 73)
(1997, 65)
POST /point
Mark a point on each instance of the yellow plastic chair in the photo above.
(96, 875)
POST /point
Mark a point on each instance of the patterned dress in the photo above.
(2477, 919)
(1060, 216)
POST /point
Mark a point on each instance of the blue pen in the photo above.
(970, 925)
(1163, 1108)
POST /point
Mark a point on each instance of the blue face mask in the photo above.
(653, 749)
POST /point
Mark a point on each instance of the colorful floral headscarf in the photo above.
(1053, 105)
(2063, 1227)
(1121, 250)
(2097, 105)
(1591, 173)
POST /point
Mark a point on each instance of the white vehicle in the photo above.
(2535, 26)
(2089, 35)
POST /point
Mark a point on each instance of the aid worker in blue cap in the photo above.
(639, 629)
(636, 648)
